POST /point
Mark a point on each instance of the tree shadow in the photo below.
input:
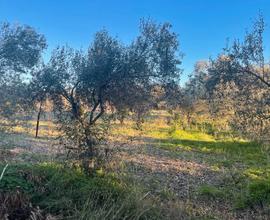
(207, 146)
(224, 152)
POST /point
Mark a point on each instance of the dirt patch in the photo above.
(166, 165)
(25, 148)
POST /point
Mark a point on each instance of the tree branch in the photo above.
(256, 76)
(74, 87)
(99, 103)
(99, 114)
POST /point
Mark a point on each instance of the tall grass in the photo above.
(69, 194)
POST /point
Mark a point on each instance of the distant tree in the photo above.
(37, 94)
(194, 94)
(86, 87)
(243, 62)
(196, 85)
(239, 79)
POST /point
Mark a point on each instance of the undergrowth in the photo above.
(69, 194)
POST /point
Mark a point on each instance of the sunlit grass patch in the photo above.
(158, 134)
(191, 135)
(42, 123)
(43, 131)
(127, 130)
(46, 128)
(256, 173)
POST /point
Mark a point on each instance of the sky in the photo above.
(203, 26)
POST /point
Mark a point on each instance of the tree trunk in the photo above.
(89, 162)
(38, 119)
(121, 119)
(88, 159)
(139, 121)
(189, 120)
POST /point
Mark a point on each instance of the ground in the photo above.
(190, 173)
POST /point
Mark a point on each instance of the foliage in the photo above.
(20, 52)
(231, 92)
(87, 88)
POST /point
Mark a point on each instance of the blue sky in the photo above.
(203, 25)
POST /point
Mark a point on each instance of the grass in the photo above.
(241, 171)
(210, 192)
(243, 166)
(68, 193)
(46, 128)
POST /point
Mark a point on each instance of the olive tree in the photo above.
(243, 69)
(20, 51)
(87, 87)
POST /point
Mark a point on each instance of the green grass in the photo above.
(244, 166)
(71, 194)
(210, 192)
